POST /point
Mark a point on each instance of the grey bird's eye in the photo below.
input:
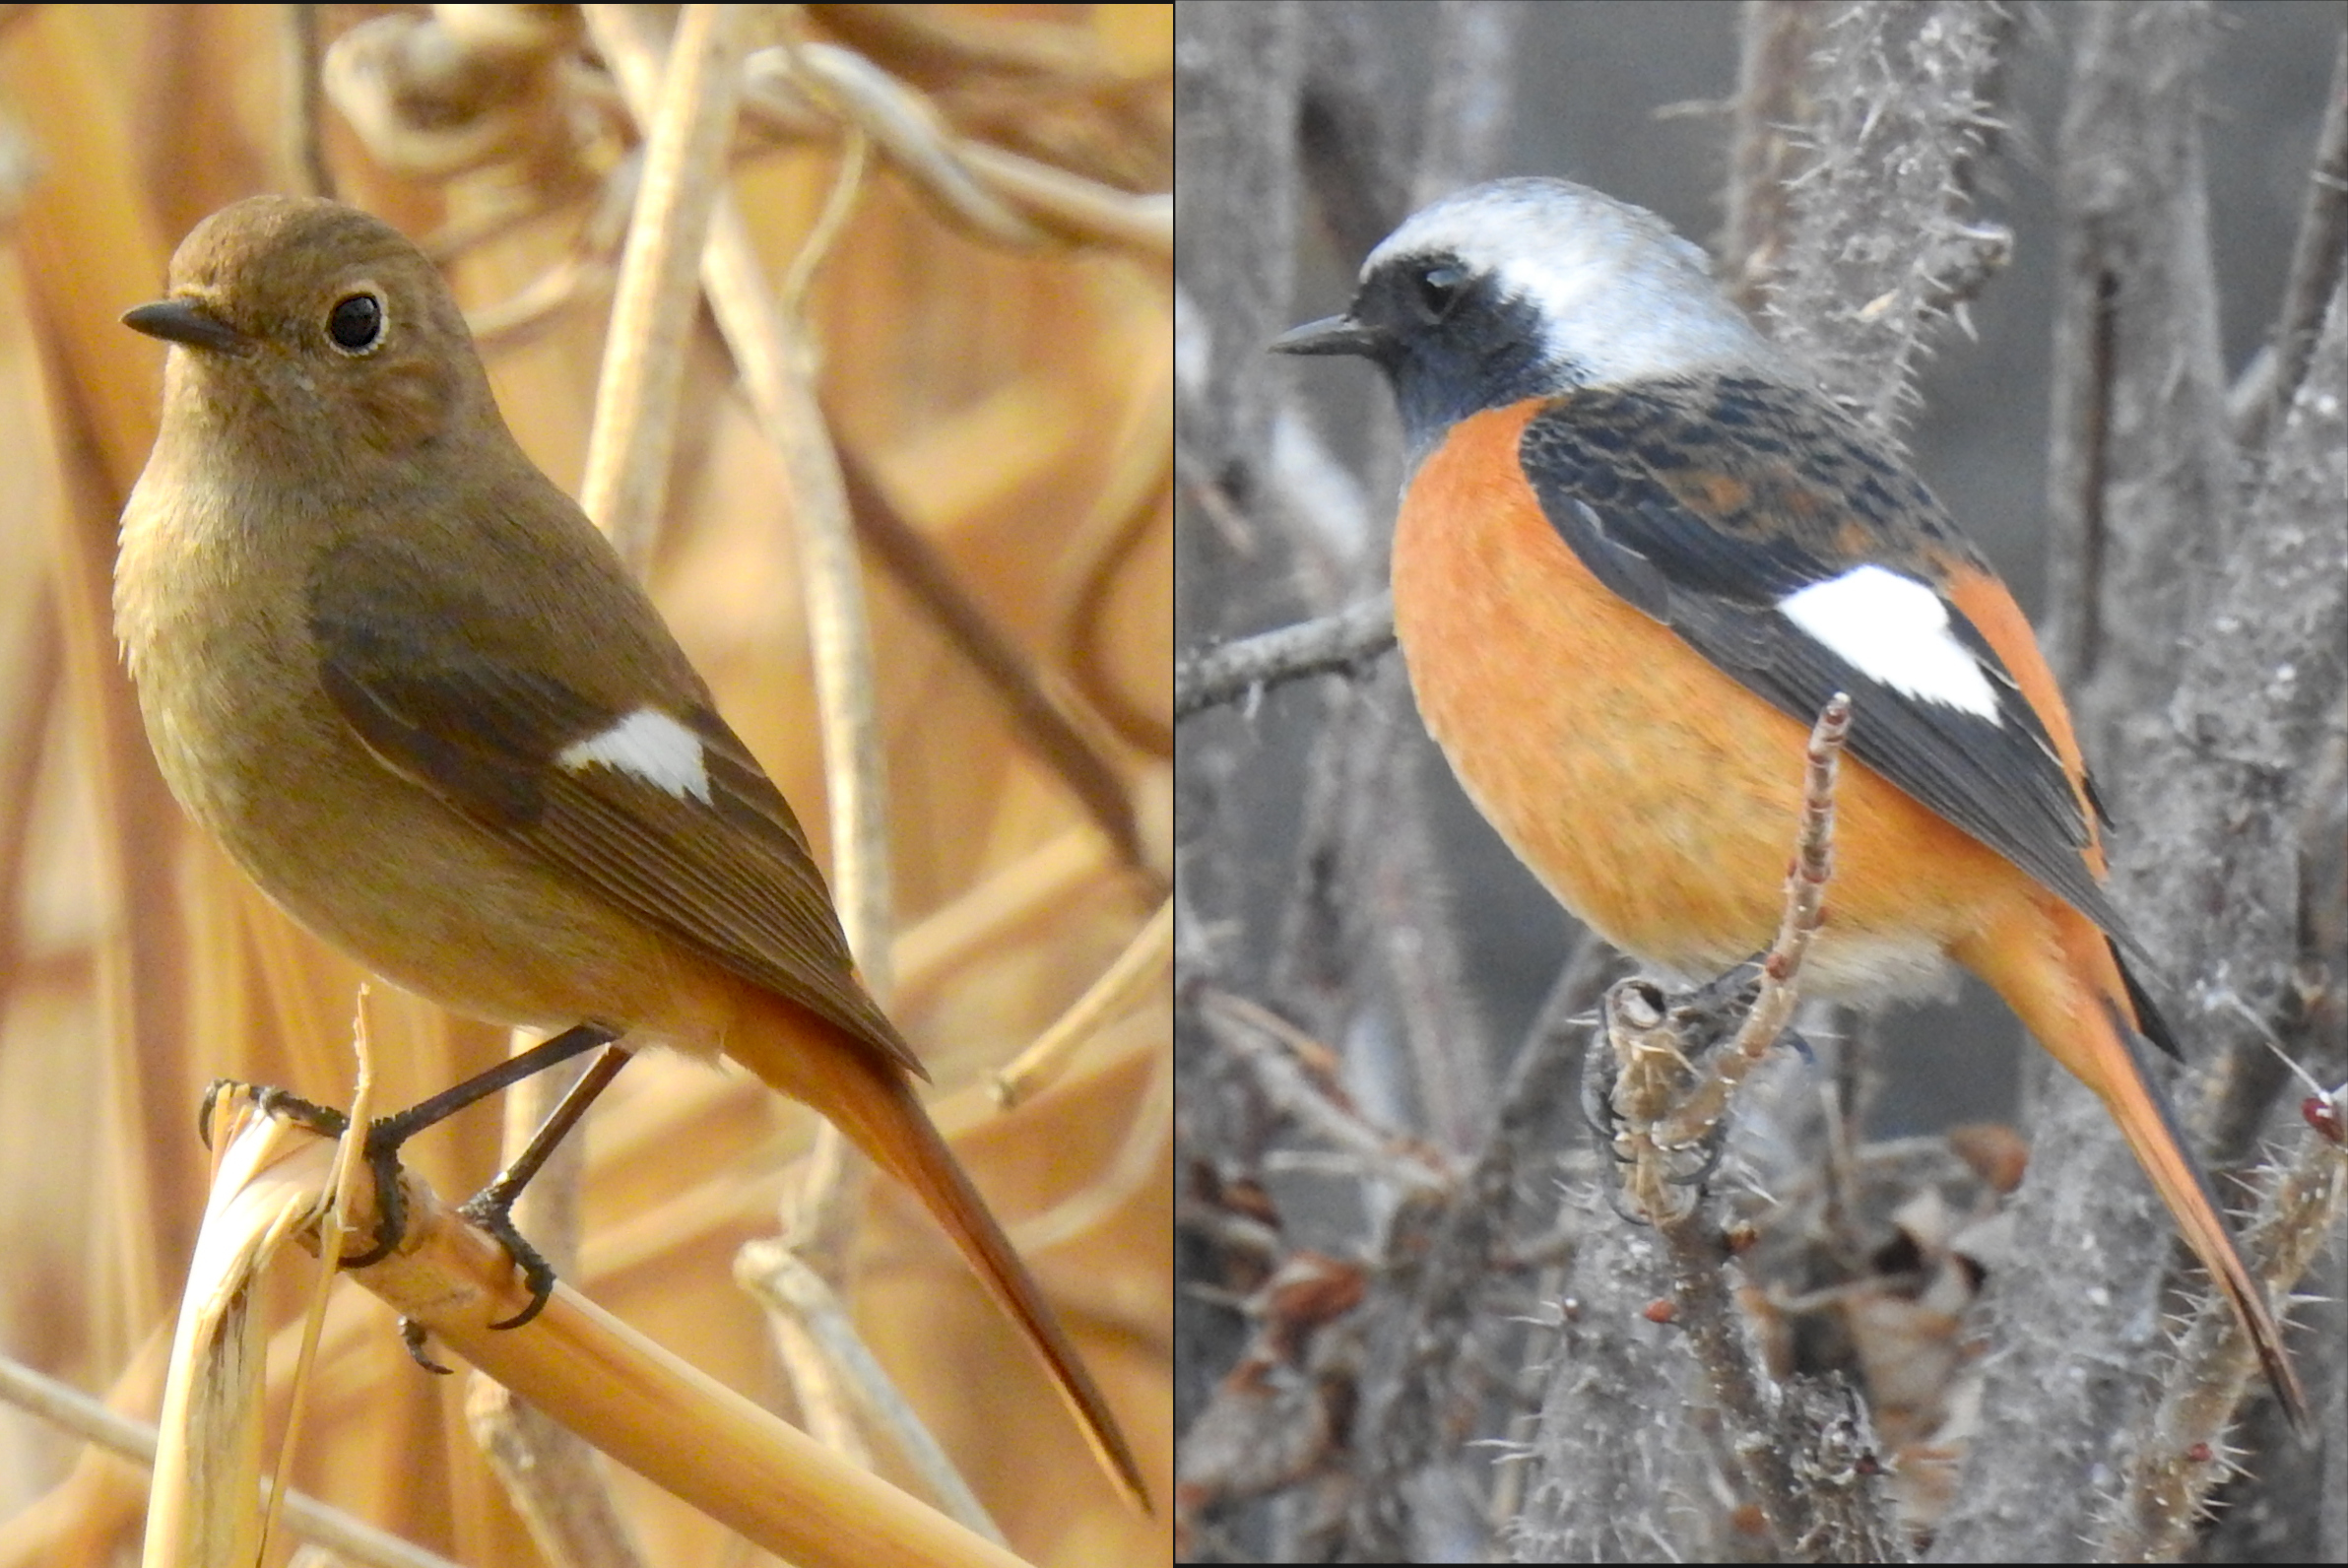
(356, 323)
(1440, 288)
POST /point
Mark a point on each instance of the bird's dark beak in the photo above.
(185, 321)
(1332, 335)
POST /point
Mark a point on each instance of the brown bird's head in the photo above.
(315, 327)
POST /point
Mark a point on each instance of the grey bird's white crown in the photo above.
(1619, 297)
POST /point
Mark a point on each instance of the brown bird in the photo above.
(419, 699)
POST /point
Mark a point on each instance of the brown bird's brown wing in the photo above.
(721, 866)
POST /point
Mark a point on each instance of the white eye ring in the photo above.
(355, 325)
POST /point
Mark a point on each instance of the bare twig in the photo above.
(2318, 257)
(802, 1302)
(1773, 1006)
(92, 1421)
(1279, 1054)
(305, 61)
(1671, 1090)
(1055, 726)
(1343, 644)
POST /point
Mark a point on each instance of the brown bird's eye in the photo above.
(356, 324)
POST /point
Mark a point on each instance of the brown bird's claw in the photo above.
(324, 1120)
(492, 1209)
(385, 1139)
(411, 1334)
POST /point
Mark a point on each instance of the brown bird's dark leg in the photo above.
(491, 1208)
(387, 1134)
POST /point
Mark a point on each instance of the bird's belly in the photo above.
(361, 856)
(1654, 794)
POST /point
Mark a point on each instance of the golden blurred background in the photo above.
(991, 314)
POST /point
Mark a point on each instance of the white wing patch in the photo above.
(1894, 629)
(650, 745)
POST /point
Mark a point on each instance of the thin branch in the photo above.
(1670, 1092)
(1292, 1068)
(1805, 912)
(1344, 643)
(305, 61)
(1055, 728)
(2318, 257)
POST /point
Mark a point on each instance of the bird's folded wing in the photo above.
(656, 805)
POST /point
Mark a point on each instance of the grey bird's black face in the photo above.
(1523, 289)
(1452, 342)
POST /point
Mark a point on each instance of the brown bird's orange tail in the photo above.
(870, 1100)
(2077, 1009)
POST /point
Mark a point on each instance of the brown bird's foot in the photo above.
(323, 1120)
(384, 1139)
(388, 1134)
(382, 1155)
(1704, 1019)
(413, 1334)
(491, 1208)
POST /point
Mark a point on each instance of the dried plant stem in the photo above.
(802, 1302)
(778, 370)
(570, 1513)
(1052, 720)
(649, 1409)
(1137, 970)
(305, 148)
(777, 366)
(69, 1409)
(688, 126)
(551, 1472)
(963, 178)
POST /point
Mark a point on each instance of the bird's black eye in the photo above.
(1440, 288)
(356, 323)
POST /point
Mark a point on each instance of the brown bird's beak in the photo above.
(185, 321)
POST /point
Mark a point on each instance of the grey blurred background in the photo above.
(1618, 94)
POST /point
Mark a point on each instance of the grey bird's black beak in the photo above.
(187, 322)
(1330, 335)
